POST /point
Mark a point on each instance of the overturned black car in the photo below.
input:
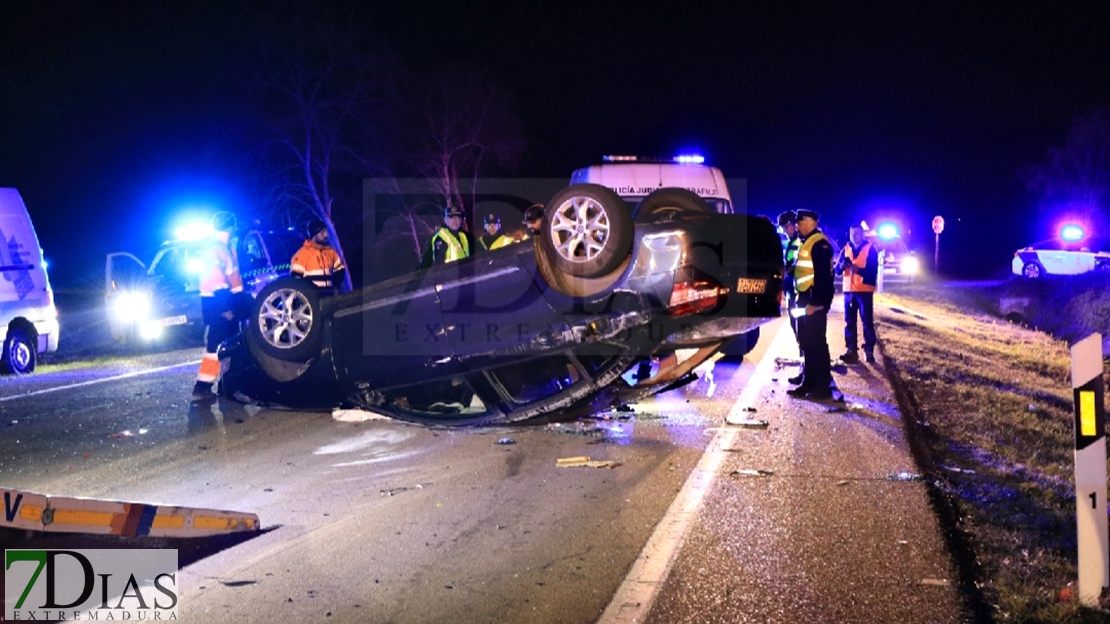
(541, 330)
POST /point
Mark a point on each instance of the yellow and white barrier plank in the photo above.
(32, 511)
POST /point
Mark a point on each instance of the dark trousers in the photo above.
(816, 368)
(218, 327)
(861, 305)
(792, 301)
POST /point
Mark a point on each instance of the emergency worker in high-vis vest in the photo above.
(859, 264)
(492, 238)
(450, 242)
(221, 286)
(317, 261)
(814, 290)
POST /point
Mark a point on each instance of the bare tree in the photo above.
(1077, 173)
(466, 128)
(323, 101)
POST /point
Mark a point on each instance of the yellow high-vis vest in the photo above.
(803, 270)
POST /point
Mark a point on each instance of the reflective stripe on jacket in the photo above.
(220, 269)
(803, 269)
(316, 261)
(457, 246)
(854, 279)
(498, 243)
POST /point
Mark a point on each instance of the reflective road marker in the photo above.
(1090, 468)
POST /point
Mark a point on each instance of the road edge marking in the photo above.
(96, 381)
(637, 593)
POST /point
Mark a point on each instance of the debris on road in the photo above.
(783, 362)
(573, 462)
(750, 423)
(905, 476)
(121, 434)
(356, 415)
(935, 582)
(752, 473)
(398, 490)
(506, 441)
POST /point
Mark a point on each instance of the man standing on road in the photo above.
(220, 286)
(813, 283)
(859, 264)
(450, 242)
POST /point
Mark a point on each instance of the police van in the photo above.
(28, 318)
(150, 302)
(636, 177)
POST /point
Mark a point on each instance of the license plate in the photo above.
(751, 286)
(174, 320)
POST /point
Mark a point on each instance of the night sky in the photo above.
(112, 110)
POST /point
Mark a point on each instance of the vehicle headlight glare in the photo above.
(910, 265)
(132, 306)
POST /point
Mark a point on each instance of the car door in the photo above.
(390, 333)
(1054, 259)
(491, 303)
(123, 273)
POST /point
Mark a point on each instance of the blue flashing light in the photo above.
(1072, 233)
(193, 231)
(195, 265)
(690, 159)
(887, 231)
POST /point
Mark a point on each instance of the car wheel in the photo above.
(669, 202)
(1032, 270)
(587, 230)
(1103, 267)
(19, 352)
(285, 321)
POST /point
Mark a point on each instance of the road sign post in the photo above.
(1090, 469)
(938, 227)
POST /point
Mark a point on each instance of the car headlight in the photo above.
(132, 307)
(909, 265)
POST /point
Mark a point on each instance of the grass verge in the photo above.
(989, 412)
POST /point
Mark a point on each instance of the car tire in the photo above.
(20, 353)
(1032, 270)
(667, 203)
(1102, 268)
(587, 231)
(285, 321)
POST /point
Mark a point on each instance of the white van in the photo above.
(28, 319)
(635, 177)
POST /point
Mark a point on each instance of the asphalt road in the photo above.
(376, 521)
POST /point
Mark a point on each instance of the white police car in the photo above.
(1060, 257)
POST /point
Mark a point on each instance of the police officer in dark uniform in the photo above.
(450, 242)
(492, 238)
(814, 292)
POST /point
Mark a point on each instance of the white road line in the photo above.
(96, 381)
(638, 592)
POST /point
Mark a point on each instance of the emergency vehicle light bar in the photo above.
(684, 159)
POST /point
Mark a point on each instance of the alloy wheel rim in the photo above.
(285, 318)
(579, 229)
